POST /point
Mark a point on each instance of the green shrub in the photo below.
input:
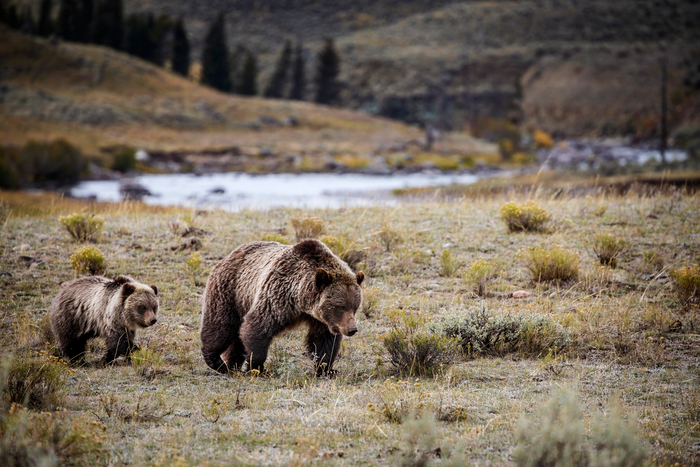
(526, 217)
(449, 264)
(88, 259)
(552, 264)
(307, 227)
(124, 160)
(34, 382)
(608, 248)
(483, 333)
(82, 227)
(413, 350)
(477, 273)
(57, 161)
(687, 284)
(389, 238)
(275, 237)
(652, 261)
(556, 436)
(193, 265)
(10, 178)
(345, 249)
(370, 300)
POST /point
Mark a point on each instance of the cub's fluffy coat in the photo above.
(96, 306)
(263, 288)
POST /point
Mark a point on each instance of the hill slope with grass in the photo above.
(451, 63)
(97, 98)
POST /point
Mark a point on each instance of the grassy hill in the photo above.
(456, 62)
(96, 98)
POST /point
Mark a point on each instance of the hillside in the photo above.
(451, 63)
(97, 98)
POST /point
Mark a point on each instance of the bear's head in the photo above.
(140, 304)
(336, 288)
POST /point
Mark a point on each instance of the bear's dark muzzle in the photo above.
(352, 331)
(153, 321)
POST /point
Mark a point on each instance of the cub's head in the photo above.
(336, 289)
(140, 304)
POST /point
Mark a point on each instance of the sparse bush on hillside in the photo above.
(54, 163)
(556, 437)
(389, 238)
(275, 237)
(554, 263)
(449, 264)
(482, 332)
(307, 227)
(608, 248)
(88, 259)
(413, 349)
(526, 217)
(687, 285)
(124, 160)
(477, 274)
(34, 382)
(82, 227)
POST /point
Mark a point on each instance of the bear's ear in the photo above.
(119, 280)
(128, 289)
(322, 278)
(310, 249)
(155, 289)
(360, 277)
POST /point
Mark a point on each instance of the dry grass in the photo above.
(627, 335)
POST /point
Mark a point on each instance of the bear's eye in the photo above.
(142, 309)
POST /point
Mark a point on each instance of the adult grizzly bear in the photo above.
(96, 306)
(264, 288)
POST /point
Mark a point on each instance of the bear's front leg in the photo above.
(323, 346)
(257, 331)
(119, 342)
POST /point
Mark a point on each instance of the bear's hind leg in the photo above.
(221, 338)
(119, 342)
(323, 346)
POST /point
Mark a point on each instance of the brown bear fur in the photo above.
(96, 306)
(264, 288)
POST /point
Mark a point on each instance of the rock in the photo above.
(192, 244)
(290, 121)
(269, 121)
(192, 231)
(448, 245)
(217, 190)
(521, 294)
(142, 156)
(32, 261)
(132, 190)
(170, 358)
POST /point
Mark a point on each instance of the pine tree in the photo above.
(45, 26)
(108, 24)
(249, 76)
(85, 26)
(327, 88)
(215, 71)
(68, 20)
(181, 50)
(136, 37)
(26, 21)
(298, 90)
(278, 82)
(11, 17)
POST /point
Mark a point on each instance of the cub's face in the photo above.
(141, 305)
(339, 302)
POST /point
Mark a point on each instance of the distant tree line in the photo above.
(159, 39)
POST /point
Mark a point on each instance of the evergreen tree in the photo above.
(327, 88)
(68, 20)
(181, 50)
(11, 17)
(85, 26)
(26, 21)
(45, 26)
(249, 76)
(298, 90)
(108, 24)
(136, 37)
(215, 70)
(278, 82)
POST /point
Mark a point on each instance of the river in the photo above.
(236, 191)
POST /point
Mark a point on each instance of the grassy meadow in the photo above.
(621, 343)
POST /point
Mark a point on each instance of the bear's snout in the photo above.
(153, 321)
(352, 331)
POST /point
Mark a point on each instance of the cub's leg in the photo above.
(323, 346)
(119, 342)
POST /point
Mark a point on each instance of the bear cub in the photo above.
(264, 288)
(96, 306)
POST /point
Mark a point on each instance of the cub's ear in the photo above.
(360, 277)
(322, 278)
(128, 289)
(155, 289)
